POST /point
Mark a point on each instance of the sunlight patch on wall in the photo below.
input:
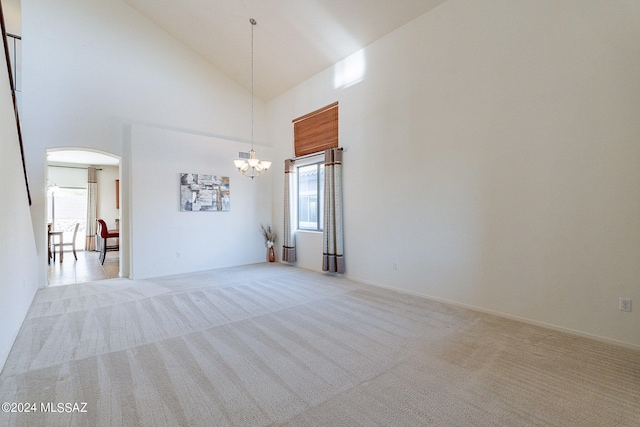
(350, 70)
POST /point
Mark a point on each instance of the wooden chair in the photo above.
(105, 234)
(49, 228)
(72, 244)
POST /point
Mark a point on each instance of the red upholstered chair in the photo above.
(105, 234)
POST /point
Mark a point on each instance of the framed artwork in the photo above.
(207, 193)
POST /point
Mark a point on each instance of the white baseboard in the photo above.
(504, 315)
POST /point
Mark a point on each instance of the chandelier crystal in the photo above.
(252, 167)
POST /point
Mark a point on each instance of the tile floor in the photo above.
(86, 269)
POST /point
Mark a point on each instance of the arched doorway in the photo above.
(82, 185)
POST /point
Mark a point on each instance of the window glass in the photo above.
(310, 196)
(66, 206)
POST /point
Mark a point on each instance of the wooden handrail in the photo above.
(15, 102)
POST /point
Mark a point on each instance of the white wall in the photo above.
(91, 69)
(167, 241)
(11, 13)
(492, 150)
(106, 205)
(18, 258)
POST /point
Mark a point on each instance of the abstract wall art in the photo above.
(208, 193)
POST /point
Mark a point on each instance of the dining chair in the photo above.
(72, 244)
(105, 234)
(49, 228)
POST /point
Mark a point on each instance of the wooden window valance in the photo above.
(316, 131)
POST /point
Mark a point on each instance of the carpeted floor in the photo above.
(270, 344)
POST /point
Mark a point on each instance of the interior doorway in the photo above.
(82, 185)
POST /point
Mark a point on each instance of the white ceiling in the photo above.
(81, 157)
(293, 40)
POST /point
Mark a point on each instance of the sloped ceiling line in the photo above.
(294, 40)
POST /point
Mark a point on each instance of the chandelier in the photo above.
(252, 167)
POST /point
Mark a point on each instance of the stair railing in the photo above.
(15, 102)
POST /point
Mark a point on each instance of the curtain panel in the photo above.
(333, 236)
(289, 247)
(92, 209)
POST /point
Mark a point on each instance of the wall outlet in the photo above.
(625, 304)
(395, 265)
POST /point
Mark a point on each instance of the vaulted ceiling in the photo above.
(293, 39)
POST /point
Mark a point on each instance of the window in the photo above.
(310, 196)
(66, 207)
(312, 134)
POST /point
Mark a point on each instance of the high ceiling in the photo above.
(293, 39)
(82, 157)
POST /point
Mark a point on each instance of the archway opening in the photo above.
(82, 186)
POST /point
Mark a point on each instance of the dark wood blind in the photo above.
(316, 131)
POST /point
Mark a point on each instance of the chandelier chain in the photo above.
(253, 24)
(251, 166)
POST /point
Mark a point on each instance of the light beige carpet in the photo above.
(270, 344)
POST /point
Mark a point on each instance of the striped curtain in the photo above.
(92, 211)
(333, 246)
(289, 247)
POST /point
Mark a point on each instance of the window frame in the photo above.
(318, 163)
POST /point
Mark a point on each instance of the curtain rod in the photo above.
(72, 167)
(319, 153)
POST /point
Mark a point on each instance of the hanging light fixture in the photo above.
(252, 167)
